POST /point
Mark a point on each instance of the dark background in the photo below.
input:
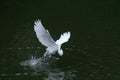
(94, 25)
(100, 19)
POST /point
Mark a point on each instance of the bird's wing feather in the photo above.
(43, 35)
(63, 38)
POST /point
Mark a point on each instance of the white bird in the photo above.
(45, 39)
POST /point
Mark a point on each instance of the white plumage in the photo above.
(45, 39)
(63, 38)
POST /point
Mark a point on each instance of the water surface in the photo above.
(91, 54)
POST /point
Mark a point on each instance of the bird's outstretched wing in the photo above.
(63, 38)
(43, 35)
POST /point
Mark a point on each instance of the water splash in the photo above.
(33, 61)
(45, 67)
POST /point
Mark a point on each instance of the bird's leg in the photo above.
(45, 54)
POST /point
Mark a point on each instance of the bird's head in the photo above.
(60, 52)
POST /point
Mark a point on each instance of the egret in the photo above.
(45, 39)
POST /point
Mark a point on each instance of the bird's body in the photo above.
(45, 39)
(51, 50)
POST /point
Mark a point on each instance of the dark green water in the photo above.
(93, 52)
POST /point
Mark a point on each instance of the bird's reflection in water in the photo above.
(55, 75)
(41, 66)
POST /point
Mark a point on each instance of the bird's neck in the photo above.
(59, 47)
